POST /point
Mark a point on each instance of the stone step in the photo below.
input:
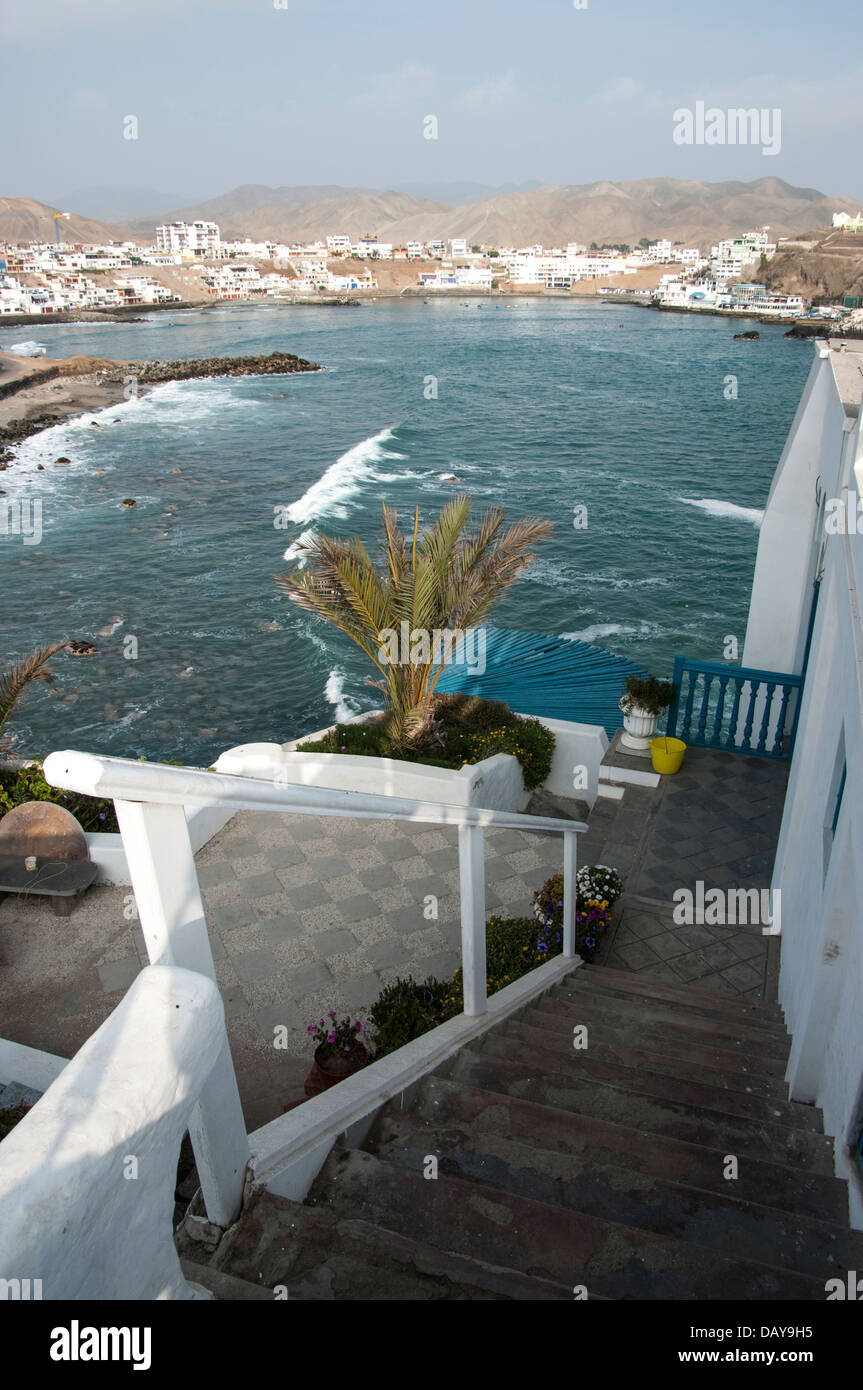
(717, 1221)
(225, 1288)
(566, 1247)
(672, 1041)
(548, 1047)
(514, 1063)
(760, 1138)
(753, 1023)
(733, 1036)
(597, 1141)
(651, 985)
(314, 1255)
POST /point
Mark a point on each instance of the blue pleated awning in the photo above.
(545, 676)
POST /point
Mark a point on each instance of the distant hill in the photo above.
(23, 219)
(688, 211)
(300, 214)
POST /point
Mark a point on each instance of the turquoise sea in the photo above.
(541, 406)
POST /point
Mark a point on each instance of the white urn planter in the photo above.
(639, 726)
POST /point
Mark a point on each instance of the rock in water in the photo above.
(129, 502)
(80, 647)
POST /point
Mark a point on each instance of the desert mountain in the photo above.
(683, 210)
(23, 220)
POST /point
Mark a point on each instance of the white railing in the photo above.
(87, 1178)
(151, 798)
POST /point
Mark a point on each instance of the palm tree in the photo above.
(444, 579)
(15, 680)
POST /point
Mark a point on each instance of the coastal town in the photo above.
(190, 263)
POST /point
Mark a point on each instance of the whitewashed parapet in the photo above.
(107, 850)
(87, 1177)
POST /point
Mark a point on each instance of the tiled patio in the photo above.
(307, 914)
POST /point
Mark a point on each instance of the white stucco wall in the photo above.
(821, 878)
(69, 1215)
(792, 532)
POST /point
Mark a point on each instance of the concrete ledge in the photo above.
(288, 1153)
(107, 850)
(28, 1065)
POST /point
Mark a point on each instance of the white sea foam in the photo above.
(344, 707)
(30, 348)
(597, 631)
(294, 548)
(180, 404)
(344, 479)
(727, 510)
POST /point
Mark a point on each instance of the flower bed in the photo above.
(18, 785)
(466, 730)
(514, 946)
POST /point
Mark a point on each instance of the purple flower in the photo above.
(101, 815)
(331, 1037)
(358, 1026)
(331, 1014)
(542, 948)
(311, 1028)
(590, 942)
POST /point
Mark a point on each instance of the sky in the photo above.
(286, 92)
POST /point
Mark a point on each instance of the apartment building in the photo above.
(199, 238)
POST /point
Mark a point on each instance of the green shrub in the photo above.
(513, 947)
(405, 1010)
(466, 729)
(10, 1117)
(527, 740)
(648, 693)
(18, 785)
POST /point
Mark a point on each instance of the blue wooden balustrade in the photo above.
(735, 708)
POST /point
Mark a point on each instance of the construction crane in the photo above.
(57, 217)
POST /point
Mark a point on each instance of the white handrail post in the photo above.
(162, 870)
(471, 863)
(570, 864)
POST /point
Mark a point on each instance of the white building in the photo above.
(339, 245)
(810, 559)
(201, 238)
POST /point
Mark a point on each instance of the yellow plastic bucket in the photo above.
(667, 754)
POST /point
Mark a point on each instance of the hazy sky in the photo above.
(336, 91)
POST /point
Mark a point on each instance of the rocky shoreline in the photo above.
(73, 386)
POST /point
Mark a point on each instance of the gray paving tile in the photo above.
(262, 886)
(305, 895)
(255, 964)
(392, 850)
(229, 916)
(334, 941)
(377, 876)
(307, 979)
(219, 871)
(277, 930)
(358, 908)
(284, 856)
(119, 974)
(385, 954)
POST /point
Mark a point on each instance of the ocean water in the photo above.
(540, 406)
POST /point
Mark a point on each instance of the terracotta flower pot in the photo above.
(329, 1069)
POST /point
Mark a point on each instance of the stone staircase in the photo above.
(564, 1171)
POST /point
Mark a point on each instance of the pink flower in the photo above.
(331, 1037)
